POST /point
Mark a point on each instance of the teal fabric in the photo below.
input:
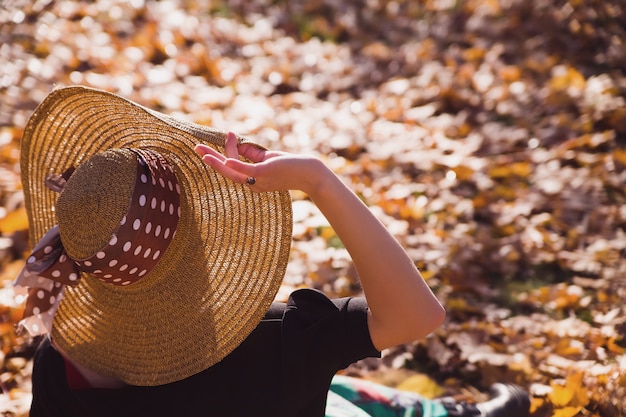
(337, 406)
(354, 397)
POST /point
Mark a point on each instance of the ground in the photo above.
(489, 136)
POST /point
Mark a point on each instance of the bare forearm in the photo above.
(402, 306)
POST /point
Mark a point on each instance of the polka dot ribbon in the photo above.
(134, 249)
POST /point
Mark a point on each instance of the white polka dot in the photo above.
(147, 253)
(162, 182)
(163, 206)
(40, 294)
(107, 276)
(113, 263)
(62, 258)
(144, 178)
(31, 259)
(169, 185)
(127, 246)
(132, 271)
(153, 203)
(178, 211)
(153, 181)
(123, 220)
(52, 299)
(36, 310)
(73, 276)
(178, 188)
(126, 282)
(148, 227)
(142, 273)
(101, 255)
(166, 233)
(57, 285)
(136, 224)
(56, 273)
(137, 250)
(97, 272)
(156, 255)
(124, 267)
(171, 209)
(113, 240)
(157, 230)
(47, 249)
(142, 200)
(117, 279)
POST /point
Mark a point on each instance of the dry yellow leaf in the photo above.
(426, 274)
(521, 169)
(568, 347)
(474, 54)
(572, 394)
(14, 221)
(614, 347)
(619, 155)
(536, 403)
(422, 385)
(463, 172)
(566, 412)
(510, 73)
(499, 171)
(565, 78)
(561, 395)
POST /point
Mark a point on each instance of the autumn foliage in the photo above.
(489, 136)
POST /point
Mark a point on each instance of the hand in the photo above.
(272, 170)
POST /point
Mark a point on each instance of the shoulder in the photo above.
(334, 332)
(308, 299)
(312, 312)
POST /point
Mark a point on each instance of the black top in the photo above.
(283, 369)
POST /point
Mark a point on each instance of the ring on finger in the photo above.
(251, 180)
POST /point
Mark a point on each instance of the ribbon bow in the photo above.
(46, 272)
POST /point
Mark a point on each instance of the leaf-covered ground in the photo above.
(490, 136)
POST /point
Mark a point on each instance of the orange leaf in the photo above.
(572, 394)
(614, 347)
(14, 221)
(566, 412)
(565, 78)
(561, 395)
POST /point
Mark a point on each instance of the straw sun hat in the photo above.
(149, 298)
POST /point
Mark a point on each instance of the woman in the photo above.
(159, 246)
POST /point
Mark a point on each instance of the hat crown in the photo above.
(136, 232)
(95, 200)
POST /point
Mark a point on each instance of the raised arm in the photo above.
(402, 306)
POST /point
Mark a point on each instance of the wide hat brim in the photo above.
(216, 280)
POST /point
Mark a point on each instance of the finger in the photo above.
(230, 148)
(202, 150)
(226, 169)
(244, 168)
(252, 152)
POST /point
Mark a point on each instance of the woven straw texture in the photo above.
(219, 275)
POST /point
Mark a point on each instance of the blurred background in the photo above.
(489, 136)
